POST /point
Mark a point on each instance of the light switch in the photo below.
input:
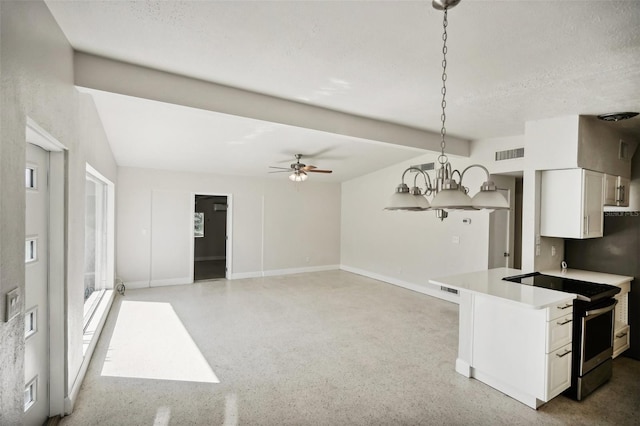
(13, 304)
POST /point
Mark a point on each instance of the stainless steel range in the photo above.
(593, 319)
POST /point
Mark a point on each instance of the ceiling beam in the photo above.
(100, 73)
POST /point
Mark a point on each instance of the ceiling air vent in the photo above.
(509, 154)
(424, 167)
(623, 151)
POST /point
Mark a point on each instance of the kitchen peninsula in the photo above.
(516, 338)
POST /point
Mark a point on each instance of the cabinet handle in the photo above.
(564, 322)
(566, 352)
(619, 335)
(587, 225)
(620, 197)
(565, 306)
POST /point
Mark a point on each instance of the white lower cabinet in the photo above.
(525, 353)
(558, 368)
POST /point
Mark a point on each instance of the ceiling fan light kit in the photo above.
(448, 193)
(299, 170)
(298, 176)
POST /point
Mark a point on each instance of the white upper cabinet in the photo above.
(616, 191)
(571, 203)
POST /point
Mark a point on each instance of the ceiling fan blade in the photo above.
(281, 168)
(280, 171)
(309, 167)
(319, 171)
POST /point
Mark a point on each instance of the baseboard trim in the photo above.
(171, 281)
(129, 285)
(427, 289)
(289, 271)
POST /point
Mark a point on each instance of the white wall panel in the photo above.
(276, 225)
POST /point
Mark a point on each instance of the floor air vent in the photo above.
(509, 154)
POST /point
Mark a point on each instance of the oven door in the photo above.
(597, 335)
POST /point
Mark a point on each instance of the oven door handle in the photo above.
(601, 310)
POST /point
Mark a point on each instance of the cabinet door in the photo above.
(622, 192)
(610, 190)
(571, 203)
(592, 204)
(558, 371)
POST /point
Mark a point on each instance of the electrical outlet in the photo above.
(537, 249)
(13, 304)
(553, 250)
(455, 239)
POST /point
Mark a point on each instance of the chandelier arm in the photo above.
(408, 169)
(427, 182)
(474, 165)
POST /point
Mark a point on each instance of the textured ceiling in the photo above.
(509, 62)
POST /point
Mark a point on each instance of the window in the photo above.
(31, 393)
(30, 322)
(31, 250)
(31, 177)
(98, 246)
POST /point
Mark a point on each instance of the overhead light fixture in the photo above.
(617, 116)
(298, 176)
(448, 193)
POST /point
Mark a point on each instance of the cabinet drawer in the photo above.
(620, 341)
(558, 371)
(559, 332)
(559, 310)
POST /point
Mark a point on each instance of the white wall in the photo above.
(277, 226)
(409, 248)
(37, 82)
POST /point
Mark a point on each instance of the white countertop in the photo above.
(594, 277)
(490, 283)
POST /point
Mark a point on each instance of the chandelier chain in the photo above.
(442, 159)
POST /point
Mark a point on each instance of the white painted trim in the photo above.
(57, 252)
(427, 289)
(171, 281)
(244, 275)
(289, 271)
(36, 135)
(136, 284)
(229, 230)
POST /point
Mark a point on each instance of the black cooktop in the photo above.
(585, 290)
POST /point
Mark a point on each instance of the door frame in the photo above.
(228, 243)
(57, 253)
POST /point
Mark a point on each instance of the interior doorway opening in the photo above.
(210, 237)
(505, 226)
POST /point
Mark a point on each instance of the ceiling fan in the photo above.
(298, 170)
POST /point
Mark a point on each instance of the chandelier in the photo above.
(448, 193)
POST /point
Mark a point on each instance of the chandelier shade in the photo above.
(451, 199)
(487, 199)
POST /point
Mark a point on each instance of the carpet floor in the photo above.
(324, 348)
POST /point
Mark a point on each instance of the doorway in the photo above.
(210, 237)
(45, 182)
(505, 226)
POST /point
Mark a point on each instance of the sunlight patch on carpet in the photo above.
(150, 342)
